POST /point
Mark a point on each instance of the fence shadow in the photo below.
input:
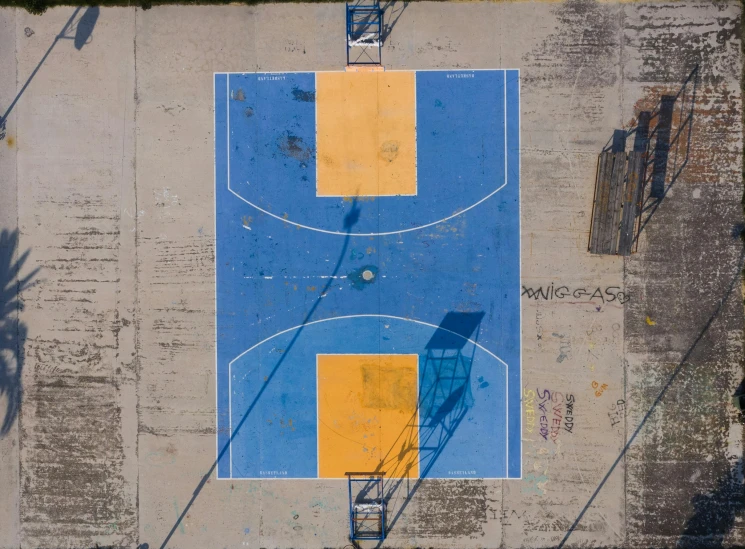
(13, 332)
(443, 401)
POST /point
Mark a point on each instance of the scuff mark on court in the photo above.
(302, 95)
(389, 150)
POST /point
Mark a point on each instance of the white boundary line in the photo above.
(387, 70)
(214, 236)
(520, 253)
(343, 317)
(418, 421)
(230, 381)
(387, 233)
(318, 425)
(341, 233)
(506, 376)
(315, 121)
(416, 147)
(505, 70)
(318, 417)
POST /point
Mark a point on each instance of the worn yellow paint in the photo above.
(367, 405)
(365, 133)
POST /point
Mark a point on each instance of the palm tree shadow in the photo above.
(13, 332)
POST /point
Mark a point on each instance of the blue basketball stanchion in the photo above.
(366, 506)
(364, 34)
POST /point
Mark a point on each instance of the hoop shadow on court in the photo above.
(12, 331)
(443, 401)
(392, 12)
(77, 29)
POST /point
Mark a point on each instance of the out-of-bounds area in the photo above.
(484, 291)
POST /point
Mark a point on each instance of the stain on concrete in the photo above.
(449, 509)
(72, 472)
(667, 44)
(583, 51)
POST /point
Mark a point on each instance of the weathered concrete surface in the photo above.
(112, 163)
(684, 474)
(73, 137)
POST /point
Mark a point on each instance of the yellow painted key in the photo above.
(366, 133)
(367, 414)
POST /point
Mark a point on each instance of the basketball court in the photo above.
(368, 272)
(286, 275)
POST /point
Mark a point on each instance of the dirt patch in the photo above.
(293, 146)
(389, 150)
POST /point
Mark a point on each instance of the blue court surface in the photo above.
(435, 274)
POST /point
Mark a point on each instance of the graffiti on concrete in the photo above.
(617, 412)
(556, 413)
(599, 294)
(599, 388)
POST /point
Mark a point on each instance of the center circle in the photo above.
(367, 274)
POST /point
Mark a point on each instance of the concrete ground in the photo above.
(106, 168)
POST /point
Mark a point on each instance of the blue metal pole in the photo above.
(349, 478)
(346, 41)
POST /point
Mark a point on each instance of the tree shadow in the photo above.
(13, 332)
(715, 512)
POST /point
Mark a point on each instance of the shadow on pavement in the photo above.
(12, 330)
